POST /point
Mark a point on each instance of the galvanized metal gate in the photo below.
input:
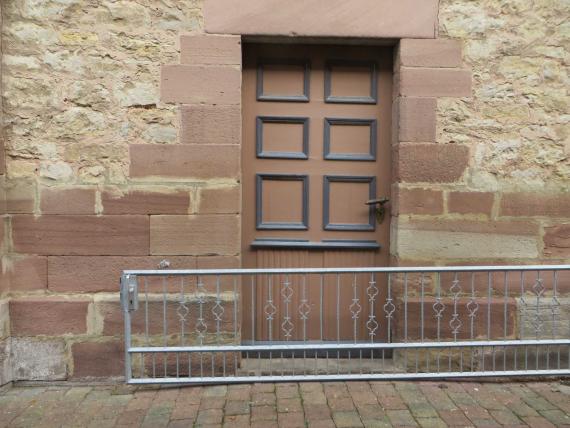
(184, 326)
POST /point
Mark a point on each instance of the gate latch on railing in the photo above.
(380, 209)
(129, 293)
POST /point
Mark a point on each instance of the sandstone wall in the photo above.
(86, 192)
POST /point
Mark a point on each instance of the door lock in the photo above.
(380, 209)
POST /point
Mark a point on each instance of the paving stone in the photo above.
(557, 417)
(236, 421)
(263, 413)
(537, 422)
(505, 417)
(285, 405)
(401, 418)
(431, 422)
(347, 419)
(454, 417)
(292, 419)
(210, 416)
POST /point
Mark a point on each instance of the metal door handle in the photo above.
(380, 208)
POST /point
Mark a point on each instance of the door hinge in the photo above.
(129, 293)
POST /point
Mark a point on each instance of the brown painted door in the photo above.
(316, 148)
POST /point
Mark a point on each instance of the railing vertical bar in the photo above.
(406, 320)
(555, 312)
(505, 316)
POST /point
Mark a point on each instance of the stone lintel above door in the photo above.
(387, 19)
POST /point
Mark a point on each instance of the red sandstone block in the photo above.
(96, 274)
(194, 84)
(430, 53)
(418, 201)
(430, 320)
(221, 200)
(208, 49)
(435, 82)
(192, 161)
(207, 124)
(81, 235)
(417, 119)
(24, 273)
(557, 241)
(195, 235)
(470, 202)
(48, 316)
(67, 201)
(535, 204)
(145, 202)
(472, 226)
(434, 163)
(98, 359)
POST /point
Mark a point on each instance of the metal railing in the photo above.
(252, 325)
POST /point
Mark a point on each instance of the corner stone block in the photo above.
(48, 316)
(433, 163)
(418, 201)
(430, 53)
(81, 235)
(101, 359)
(222, 200)
(188, 161)
(417, 120)
(453, 239)
(210, 49)
(195, 235)
(35, 359)
(205, 124)
(194, 84)
(435, 82)
(18, 197)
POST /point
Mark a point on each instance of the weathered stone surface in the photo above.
(145, 202)
(435, 82)
(81, 235)
(416, 120)
(67, 201)
(98, 359)
(204, 49)
(435, 163)
(448, 239)
(194, 84)
(195, 235)
(418, 201)
(97, 274)
(5, 361)
(363, 18)
(222, 200)
(50, 316)
(23, 273)
(205, 124)
(470, 202)
(38, 359)
(557, 241)
(191, 161)
(18, 196)
(535, 204)
(430, 53)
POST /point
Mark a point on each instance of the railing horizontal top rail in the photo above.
(410, 269)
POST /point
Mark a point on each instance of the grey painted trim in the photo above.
(371, 156)
(303, 224)
(327, 180)
(349, 244)
(303, 98)
(372, 99)
(260, 120)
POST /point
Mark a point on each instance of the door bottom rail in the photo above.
(273, 325)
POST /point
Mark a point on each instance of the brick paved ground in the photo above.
(350, 404)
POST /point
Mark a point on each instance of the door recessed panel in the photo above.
(344, 203)
(282, 202)
(350, 139)
(283, 80)
(351, 82)
(282, 137)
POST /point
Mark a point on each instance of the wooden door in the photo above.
(316, 148)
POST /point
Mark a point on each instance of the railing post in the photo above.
(129, 303)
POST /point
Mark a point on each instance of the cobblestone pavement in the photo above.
(339, 404)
